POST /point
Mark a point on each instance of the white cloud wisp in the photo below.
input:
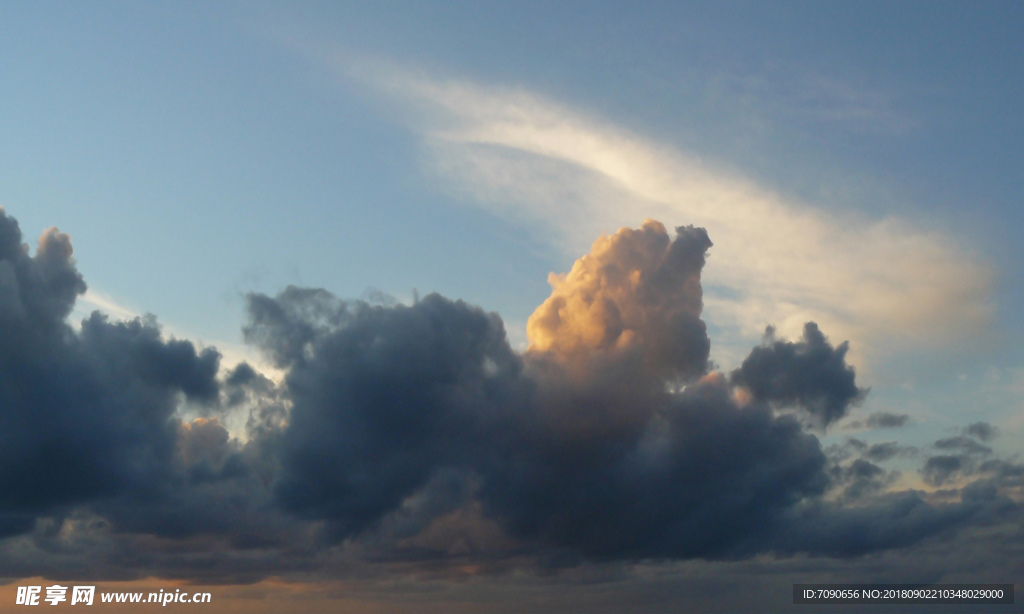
(883, 284)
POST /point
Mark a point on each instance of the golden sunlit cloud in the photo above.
(622, 294)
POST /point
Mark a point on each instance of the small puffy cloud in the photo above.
(939, 470)
(810, 374)
(886, 420)
(982, 431)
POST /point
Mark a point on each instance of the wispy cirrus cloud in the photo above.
(881, 283)
(775, 92)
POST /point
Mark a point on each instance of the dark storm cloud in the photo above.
(382, 397)
(809, 374)
(602, 461)
(886, 420)
(37, 292)
(216, 489)
(701, 478)
(85, 414)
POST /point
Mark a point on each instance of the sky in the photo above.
(510, 306)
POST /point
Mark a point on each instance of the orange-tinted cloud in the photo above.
(637, 290)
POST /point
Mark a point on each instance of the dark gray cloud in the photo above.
(604, 461)
(940, 469)
(890, 520)
(960, 458)
(981, 430)
(809, 374)
(383, 398)
(886, 420)
(87, 414)
(1010, 471)
(703, 477)
(877, 452)
(861, 478)
(964, 444)
(880, 452)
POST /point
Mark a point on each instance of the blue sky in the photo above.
(196, 152)
(856, 164)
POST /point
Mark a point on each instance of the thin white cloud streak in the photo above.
(103, 303)
(883, 284)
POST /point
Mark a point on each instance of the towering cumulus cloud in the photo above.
(416, 433)
(636, 290)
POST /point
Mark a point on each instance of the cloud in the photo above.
(960, 458)
(883, 284)
(88, 414)
(595, 458)
(880, 452)
(806, 95)
(232, 354)
(965, 444)
(414, 437)
(809, 374)
(381, 397)
(982, 430)
(886, 420)
(941, 469)
(876, 453)
(595, 443)
(892, 520)
(636, 288)
(862, 478)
